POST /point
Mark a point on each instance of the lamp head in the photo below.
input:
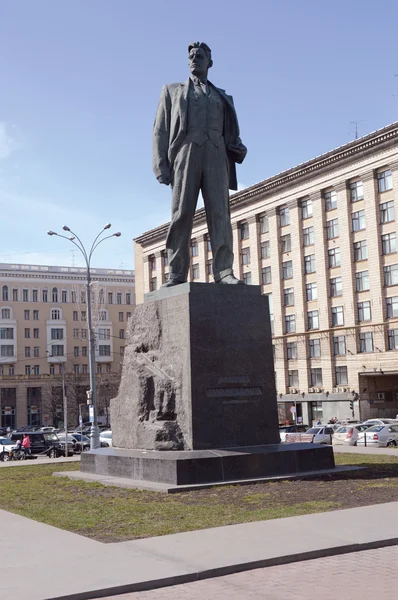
(51, 232)
(118, 234)
(65, 228)
(108, 226)
(72, 237)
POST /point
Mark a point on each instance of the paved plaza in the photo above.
(347, 576)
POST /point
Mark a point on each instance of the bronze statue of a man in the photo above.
(196, 144)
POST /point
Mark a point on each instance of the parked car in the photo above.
(284, 429)
(348, 435)
(41, 442)
(372, 422)
(322, 434)
(80, 443)
(106, 438)
(379, 435)
(71, 443)
(6, 445)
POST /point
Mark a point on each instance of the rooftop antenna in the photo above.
(73, 257)
(121, 265)
(356, 126)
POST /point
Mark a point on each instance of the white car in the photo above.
(322, 434)
(106, 437)
(379, 435)
(5, 446)
(371, 422)
(348, 434)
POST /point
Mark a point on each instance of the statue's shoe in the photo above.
(173, 282)
(231, 279)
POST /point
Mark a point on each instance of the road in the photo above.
(371, 573)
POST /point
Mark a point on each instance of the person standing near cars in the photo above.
(26, 444)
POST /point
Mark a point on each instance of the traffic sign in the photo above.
(292, 409)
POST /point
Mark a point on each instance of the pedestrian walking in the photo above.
(26, 444)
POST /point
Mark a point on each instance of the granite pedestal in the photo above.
(197, 399)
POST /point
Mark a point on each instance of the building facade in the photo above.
(44, 339)
(321, 241)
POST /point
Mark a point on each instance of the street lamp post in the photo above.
(76, 241)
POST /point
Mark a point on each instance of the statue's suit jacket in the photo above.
(170, 128)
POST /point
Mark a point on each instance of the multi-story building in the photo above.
(44, 338)
(321, 241)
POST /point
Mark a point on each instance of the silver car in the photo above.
(379, 435)
(322, 434)
(348, 435)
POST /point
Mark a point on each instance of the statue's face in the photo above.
(198, 62)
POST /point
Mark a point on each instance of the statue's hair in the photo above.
(201, 45)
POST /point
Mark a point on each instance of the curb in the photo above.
(227, 570)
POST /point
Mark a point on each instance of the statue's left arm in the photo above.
(236, 148)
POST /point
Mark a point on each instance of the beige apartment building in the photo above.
(321, 241)
(44, 339)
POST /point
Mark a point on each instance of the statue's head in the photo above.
(199, 55)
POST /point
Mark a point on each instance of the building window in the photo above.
(393, 339)
(356, 191)
(306, 209)
(209, 267)
(6, 333)
(84, 369)
(55, 296)
(110, 297)
(291, 350)
(119, 298)
(362, 281)
(84, 351)
(76, 369)
(330, 200)
(208, 243)
(128, 315)
(52, 369)
(35, 315)
(286, 243)
(387, 212)
(265, 249)
(76, 351)
(316, 377)
(83, 315)
(76, 333)
(36, 352)
(35, 295)
(309, 263)
(25, 295)
(27, 351)
(288, 297)
(358, 220)
(55, 314)
(290, 323)
(360, 251)
(364, 312)
(341, 375)
(36, 333)
(128, 298)
(194, 248)
(337, 315)
(7, 351)
(266, 275)
(27, 315)
(389, 243)
(6, 313)
(264, 224)
(339, 347)
(165, 259)
(247, 278)
(121, 334)
(366, 342)
(104, 334)
(284, 216)
(287, 269)
(153, 284)
(57, 350)
(75, 315)
(245, 257)
(244, 230)
(391, 275)
(15, 295)
(27, 369)
(57, 334)
(99, 368)
(315, 348)
(311, 291)
(293, 378)
(336, 287)
(152, 263)
(121, 317)
(195, 271)
(332, 229)
(308, 236)
(84, 334)
(27, 332)
(104, 350)
(384, 181)
(73, 297)
(392, 307)
(334, 257)
(313, 319)
(103, 315)
(45, 295)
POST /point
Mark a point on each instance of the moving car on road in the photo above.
(379, 435)
(348, 435)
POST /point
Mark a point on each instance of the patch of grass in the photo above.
(115, 514)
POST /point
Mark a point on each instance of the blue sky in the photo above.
(81, 82)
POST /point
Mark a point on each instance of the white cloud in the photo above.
(8, 144)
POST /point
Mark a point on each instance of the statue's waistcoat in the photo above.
(205, 116)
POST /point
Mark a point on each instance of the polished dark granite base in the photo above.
(208, 466)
